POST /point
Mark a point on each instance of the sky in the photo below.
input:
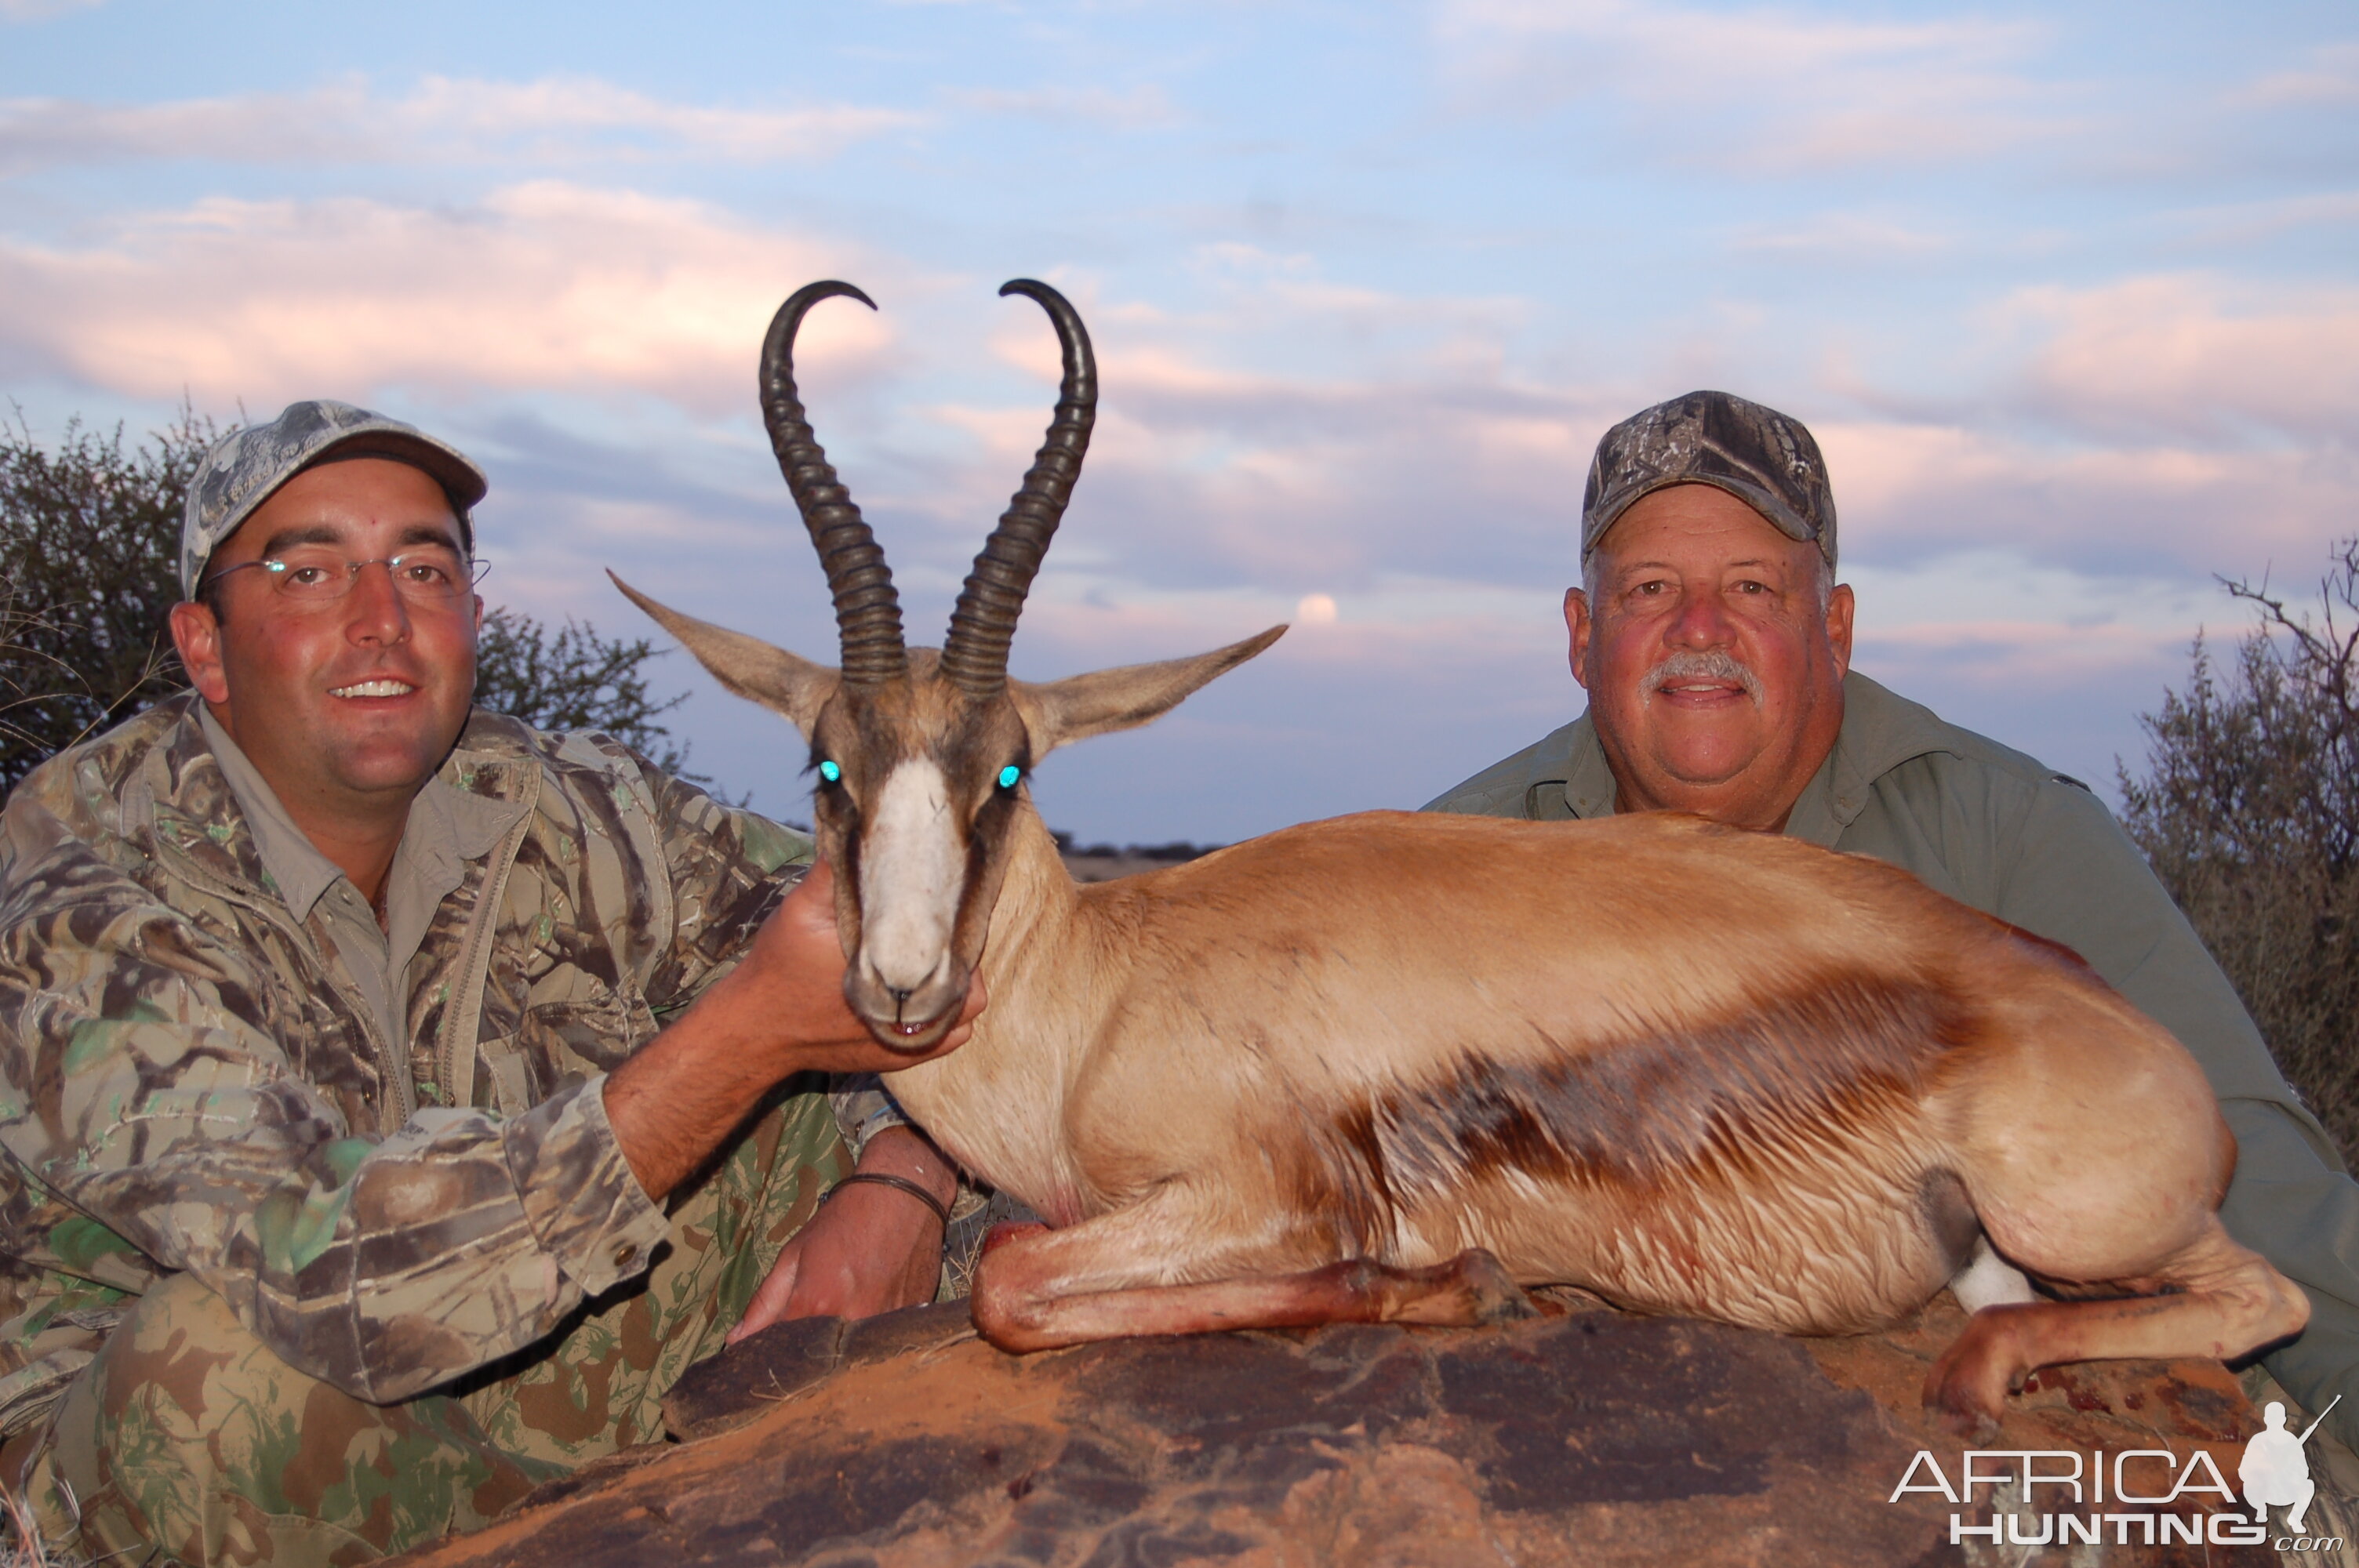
(2065, 291)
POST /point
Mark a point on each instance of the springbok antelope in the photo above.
(1386, 1067)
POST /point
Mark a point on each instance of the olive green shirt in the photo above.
(447, 829)
(1997, 829)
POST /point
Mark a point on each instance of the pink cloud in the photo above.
(560, 120)
(2194, 354)
(541, 286)
(2330, 76)
(1811, 92)
(1209, 470)
(1910, 487)
(1142, 108)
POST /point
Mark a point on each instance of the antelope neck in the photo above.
(1038, 928)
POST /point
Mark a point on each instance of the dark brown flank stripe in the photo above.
(1807, 1075)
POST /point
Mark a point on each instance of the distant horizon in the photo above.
(2064, 293)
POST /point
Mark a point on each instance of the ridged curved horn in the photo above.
(975, 655)
(867, 611)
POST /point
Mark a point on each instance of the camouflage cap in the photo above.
(246, 467)
(1757, 454)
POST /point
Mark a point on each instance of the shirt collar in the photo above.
(1880, 731)
(1589, 781)
(446, 827)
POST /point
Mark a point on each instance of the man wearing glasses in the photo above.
(395, 1098)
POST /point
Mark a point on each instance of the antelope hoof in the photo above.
(1967, 1387)
(1493, 1295)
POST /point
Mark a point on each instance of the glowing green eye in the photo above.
(830, 771)
(1008, 775)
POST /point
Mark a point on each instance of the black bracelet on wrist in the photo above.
(901, 1184)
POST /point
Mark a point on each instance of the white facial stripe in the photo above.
(912, 866)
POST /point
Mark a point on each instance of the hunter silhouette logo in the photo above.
(2275, 1471)
(2146, 1497)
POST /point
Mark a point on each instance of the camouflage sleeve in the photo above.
(729, 870)
(147, 1094)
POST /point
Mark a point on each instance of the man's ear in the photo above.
(197, 637)
(782, 682)
(1082, 706)
(1840, 606)
(1578, 627)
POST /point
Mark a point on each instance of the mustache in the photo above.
(1718, 664)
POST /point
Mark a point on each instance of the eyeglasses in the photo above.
(433, 573)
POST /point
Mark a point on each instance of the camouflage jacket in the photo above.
(188, 1084)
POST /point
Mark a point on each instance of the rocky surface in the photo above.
(1593, 1438)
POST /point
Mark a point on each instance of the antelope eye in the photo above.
(830, 771)
(1008, 775)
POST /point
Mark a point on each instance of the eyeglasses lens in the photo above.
(432, 574)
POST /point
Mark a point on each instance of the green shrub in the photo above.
(2249, 812)
(89, 564)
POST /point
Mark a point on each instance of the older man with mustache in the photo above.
(1714, 644)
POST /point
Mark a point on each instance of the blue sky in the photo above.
(2066, 292)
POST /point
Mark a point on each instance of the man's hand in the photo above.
(787, 994)
(779, 1013)
(870, 1249)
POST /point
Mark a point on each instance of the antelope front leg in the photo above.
(1037, 1289)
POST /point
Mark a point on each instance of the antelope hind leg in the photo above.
(2225, 1301)
(1038, 1289)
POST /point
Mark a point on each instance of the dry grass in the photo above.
(20, 1538)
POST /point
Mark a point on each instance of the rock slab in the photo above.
(1593, 1438)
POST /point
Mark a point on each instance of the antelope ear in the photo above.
(779, 680)
(1082, 706)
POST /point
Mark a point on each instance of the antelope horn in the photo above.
(867, 611)
(975, 655)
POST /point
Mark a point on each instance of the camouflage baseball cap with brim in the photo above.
(245, 467)
(1756, 454)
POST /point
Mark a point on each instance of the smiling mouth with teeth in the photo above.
(375, 689)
